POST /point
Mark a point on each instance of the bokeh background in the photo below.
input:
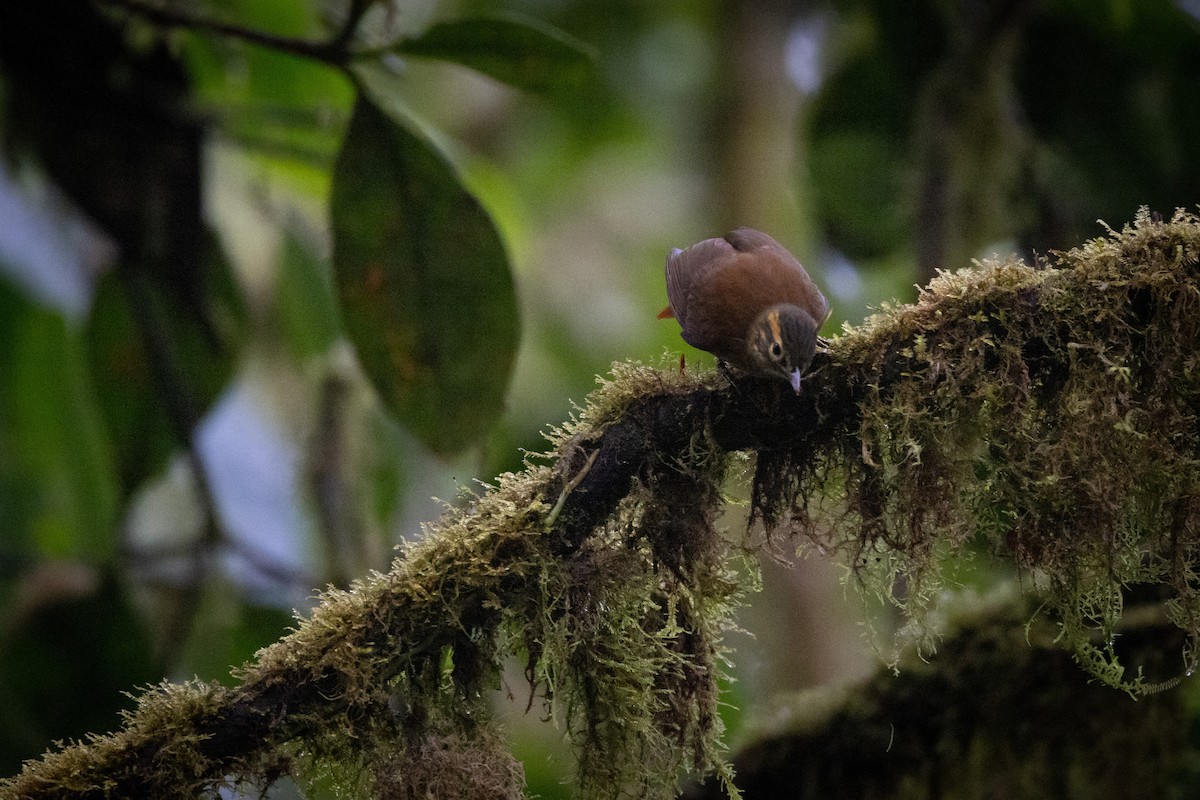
(163, 517)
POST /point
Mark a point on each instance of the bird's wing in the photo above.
(687, 270)
(675, 283)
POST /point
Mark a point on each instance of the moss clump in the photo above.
(629, 646)
(1047, 413)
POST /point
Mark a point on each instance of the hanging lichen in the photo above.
(1047, 412)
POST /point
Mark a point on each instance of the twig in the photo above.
(184, 417)
(354, 16)
(552, 517)
(334, 52)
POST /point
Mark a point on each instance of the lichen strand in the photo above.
(1049, 413)
(622, 636)
(473, 765)
(628, 644)
(623, 650)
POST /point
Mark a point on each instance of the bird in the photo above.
(748, 301)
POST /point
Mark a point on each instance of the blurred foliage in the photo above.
(73, 645)
(56, 472)
(949, 127)
(279, 179)
(972, 706)
(144, 425)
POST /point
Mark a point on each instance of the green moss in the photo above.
(1050, 411)
(625, 652)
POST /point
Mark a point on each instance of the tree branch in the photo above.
(1051, 413)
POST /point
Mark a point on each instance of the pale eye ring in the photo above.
(776, 350)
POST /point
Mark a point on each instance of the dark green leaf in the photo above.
(137, 420)
(197, 355)
(523, 53)
(424, 282)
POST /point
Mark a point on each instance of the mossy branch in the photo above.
(1048, 412)
(1002, 706)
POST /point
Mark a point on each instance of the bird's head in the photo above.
(782, 341)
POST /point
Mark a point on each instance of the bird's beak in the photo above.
(795, 377)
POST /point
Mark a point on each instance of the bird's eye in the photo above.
(776, 350)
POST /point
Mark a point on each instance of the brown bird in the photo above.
(749, 302)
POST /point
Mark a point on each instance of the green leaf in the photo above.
(200, 360)
(307, 308)
(425, 286)
(58, 494)
(137, 421)
(523, 53)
